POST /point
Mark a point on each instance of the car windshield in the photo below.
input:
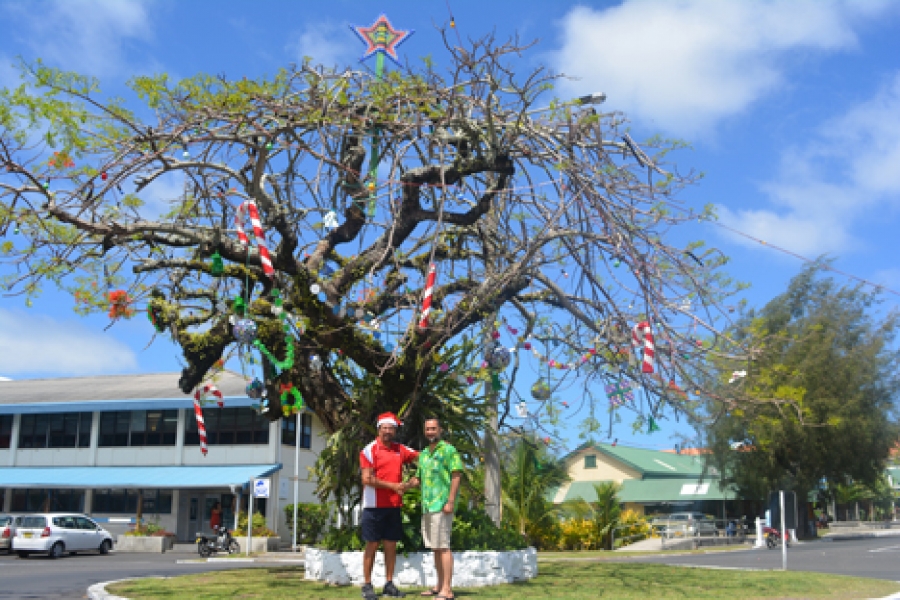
(34, 522)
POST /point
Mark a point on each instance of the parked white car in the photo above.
(57, 533)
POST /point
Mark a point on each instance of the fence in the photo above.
(700, 532)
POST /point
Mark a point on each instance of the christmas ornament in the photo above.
(651, 424)
(644, 328)
(330, 221)
(256, 389)
(737, 375)
(209, 389)
(619, 393)
(258, 232)
(498, 357)
(426, 301)
(288, 362)
(287, 407)
(522, 410)
(104, 176)
(315, 363)
(540, 390)
(381, 39)
(201, 426)
(245, 331)
(155, 314)
(217, 267)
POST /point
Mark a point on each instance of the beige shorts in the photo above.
(436, 530)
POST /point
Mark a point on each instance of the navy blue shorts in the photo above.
(382, 524)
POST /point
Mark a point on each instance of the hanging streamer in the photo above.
(426, 301)
(258, 232)
(644, 328)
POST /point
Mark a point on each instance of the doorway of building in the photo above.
(200, 510)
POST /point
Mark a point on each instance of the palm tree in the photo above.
(528, 477)
(605, 512)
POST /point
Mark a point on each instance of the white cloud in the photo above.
(687, 64)
(39, 344)
(846, 171)
(321, 42)
(89, 36)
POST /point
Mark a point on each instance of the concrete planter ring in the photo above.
(471, 568)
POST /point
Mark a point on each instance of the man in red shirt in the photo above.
(382, 477)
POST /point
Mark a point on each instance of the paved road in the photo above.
(70, 576)
(875, 558)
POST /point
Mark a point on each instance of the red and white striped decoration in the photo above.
(209, 389)
(258, 233)
(198, 412)
(644, 328)
(426, 301)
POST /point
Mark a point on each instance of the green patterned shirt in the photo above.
(435, 470)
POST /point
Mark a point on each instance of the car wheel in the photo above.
(56, 550)
(22, 554)
(105, 547)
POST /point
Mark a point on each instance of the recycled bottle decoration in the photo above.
(291, 399)
(540, 390)
(155, 314)
(498, 357)
(245, 331)
(315, 363)
(217, 267)
(256, 389)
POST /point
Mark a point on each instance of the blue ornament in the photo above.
(245, 331)
(256, 389)
(322, 297)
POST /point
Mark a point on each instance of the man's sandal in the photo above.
(431, 592)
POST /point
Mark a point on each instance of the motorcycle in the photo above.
(222, 542)
(773, 535)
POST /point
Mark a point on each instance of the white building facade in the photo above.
(100, 445)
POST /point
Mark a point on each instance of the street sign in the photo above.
(261, 488)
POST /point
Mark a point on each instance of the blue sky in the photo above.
(792, 110)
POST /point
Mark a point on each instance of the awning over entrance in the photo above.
(133, 477)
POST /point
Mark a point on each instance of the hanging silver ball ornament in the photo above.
(498, 357)
(315, 363)
(255, 389)
(540, 390)
(244, 331)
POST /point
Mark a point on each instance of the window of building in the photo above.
(289, 431)
(138, 428)
(47, 501)
(115, 502)
(228, 426)
(55, 430)
(590, 461)
(5, 430)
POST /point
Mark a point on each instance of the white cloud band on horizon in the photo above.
(36, 344)
(685, 65)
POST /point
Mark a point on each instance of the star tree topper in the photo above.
(381, 37)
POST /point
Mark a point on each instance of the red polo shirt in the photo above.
(388, 464)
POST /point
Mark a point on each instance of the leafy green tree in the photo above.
(818, 399)
(529, 475)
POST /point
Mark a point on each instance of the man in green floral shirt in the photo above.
(439, 472)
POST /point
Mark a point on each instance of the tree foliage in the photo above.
(548, 229)
(818, 400)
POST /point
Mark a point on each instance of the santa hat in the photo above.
(388, 418)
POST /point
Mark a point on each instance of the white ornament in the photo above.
(330, 221)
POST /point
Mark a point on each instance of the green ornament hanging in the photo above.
(651, 425)
(495, 381)
(218, 267)
(288, 406)
(239, 306)
(288, 362)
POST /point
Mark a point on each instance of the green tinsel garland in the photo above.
(288, 362)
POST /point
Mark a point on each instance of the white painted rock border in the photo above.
(470, 569)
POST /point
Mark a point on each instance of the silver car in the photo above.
(685, 524)
(56, 533)
(7, 531)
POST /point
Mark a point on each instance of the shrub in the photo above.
(259, 525)
(579, 534)
(632, 528)
(149, 529)
(312, 519)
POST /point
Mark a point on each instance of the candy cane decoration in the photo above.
(644, 327)
(198, 412)
(426, 301)
(258, 233)
(201, 393)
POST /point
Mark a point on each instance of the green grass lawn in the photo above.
(545, 556)
(564, 580)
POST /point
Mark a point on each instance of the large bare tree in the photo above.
(547, 224)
